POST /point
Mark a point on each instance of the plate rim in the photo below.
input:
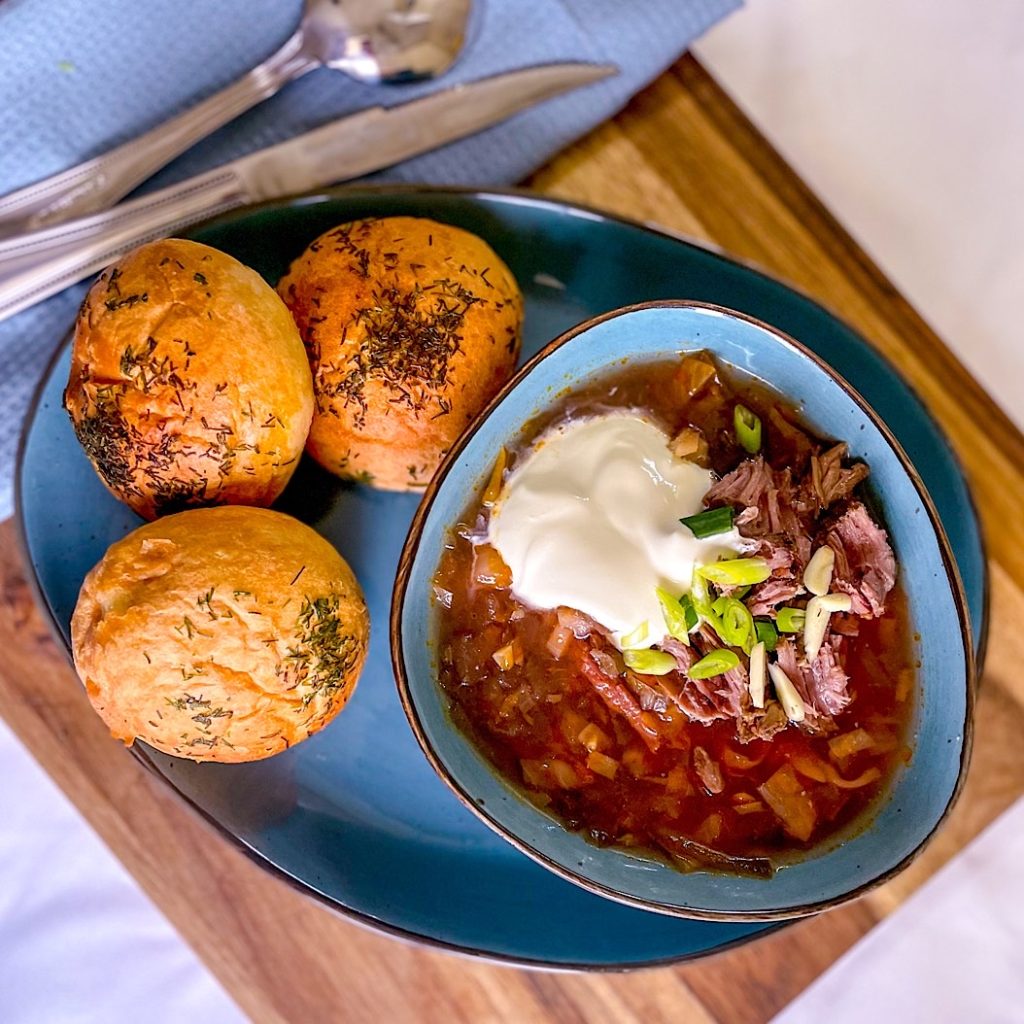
(472, 193)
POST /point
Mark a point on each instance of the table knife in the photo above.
(41, 263)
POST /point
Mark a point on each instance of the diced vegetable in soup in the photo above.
(672, 619)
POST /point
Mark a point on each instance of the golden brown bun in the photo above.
(189, 384)
(220, 634)
(411, 327)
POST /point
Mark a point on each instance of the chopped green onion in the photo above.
(748, 428)
(636, 638)
(699, 596)
(692, 618)
(736, 572)
(649, 663)
(714, 664)
(674, 615)
(767, 634)
(702, 604)
(707, 524)
(790, 620)
(741, 592)
(737, 624)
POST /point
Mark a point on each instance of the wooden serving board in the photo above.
(682, 155)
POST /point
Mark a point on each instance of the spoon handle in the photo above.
(99, 183)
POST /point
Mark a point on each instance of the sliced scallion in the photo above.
(709, 523)
(736, 572)
(674, 614)
(692, 618)
(715, 663)
(737, 624)
(636, 638)
(699, 596)
(649, 663)
(767, 634)
(703, 604)
(747, 425)
(790, 620)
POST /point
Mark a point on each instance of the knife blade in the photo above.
(381, 137)
(41, 263)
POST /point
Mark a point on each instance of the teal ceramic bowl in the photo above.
(919, 796)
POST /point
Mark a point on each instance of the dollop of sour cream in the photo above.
(589, 519)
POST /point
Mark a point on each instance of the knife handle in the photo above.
(89, 244)
(99, 183)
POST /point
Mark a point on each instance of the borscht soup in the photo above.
(673, 620)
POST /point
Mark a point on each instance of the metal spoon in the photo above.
(371, 40)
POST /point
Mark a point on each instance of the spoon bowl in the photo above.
(385, 40)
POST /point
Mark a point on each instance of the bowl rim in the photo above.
(411, 548)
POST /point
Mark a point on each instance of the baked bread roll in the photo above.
(411, 327)
(220, 634)
(189, 384)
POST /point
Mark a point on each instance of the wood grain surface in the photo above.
(681, 155)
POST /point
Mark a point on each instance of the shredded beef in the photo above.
(734, 689)
(761, 724)
(829, 481)
(780, 587)
(697, 701)
(746, 486)
(830, 695)
(782, 518)
(704, 700)
(865, 567)
(771, 506)
(683, 653)
(822, 684)
(767, 596)
(779, 558)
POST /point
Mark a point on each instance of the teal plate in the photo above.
(356, 816)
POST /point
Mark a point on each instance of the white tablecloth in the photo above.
(80, 943)
(906, 118)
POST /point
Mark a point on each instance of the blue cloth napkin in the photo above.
(79, 78)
